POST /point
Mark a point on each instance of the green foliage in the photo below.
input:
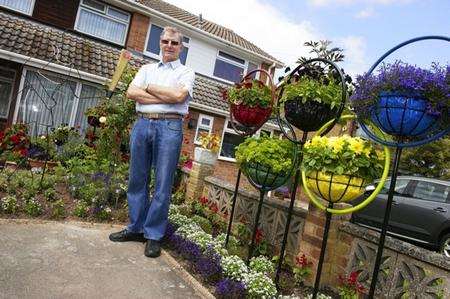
(58, 209)
(8, 204)
(178, 196)
(81, 209)
(273, 153)
(104, 213)
(321, 49)
(430, 160)
(243, 233)
(307, 89)
(342, 155)
(262, 264)
(203, 223)
(33, 207)
(50, 194)
(250, 94)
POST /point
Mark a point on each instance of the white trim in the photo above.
(19, 94)
(52, 67)
(105, 15)
(73, 113)
(204, 127)
(12, 81)
(145, 10)
(29, 12)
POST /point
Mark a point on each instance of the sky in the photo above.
(365, 29)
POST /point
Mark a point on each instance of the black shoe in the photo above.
(152, 248)
(126, 236)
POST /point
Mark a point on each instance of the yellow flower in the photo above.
(318, 141)
(356, 145)
(337, 144)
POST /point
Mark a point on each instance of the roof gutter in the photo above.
(150, 11)
(34, 62)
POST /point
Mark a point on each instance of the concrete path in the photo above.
(41, 259)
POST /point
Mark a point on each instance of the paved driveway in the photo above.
(76, 260)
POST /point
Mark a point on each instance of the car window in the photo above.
(400, 186)
(431, 191)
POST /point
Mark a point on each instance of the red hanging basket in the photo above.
(250, 116)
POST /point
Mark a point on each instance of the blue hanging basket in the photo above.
(404, 115)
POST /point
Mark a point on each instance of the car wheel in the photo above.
(445, 246)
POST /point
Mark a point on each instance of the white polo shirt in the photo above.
(171, 74)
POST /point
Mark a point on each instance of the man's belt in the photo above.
(160, 115)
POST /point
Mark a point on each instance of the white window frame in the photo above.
(29, 12)
(79, 85)
(105, 15)
(204, 127)
(244, 66)
(12, 89)
(157, 56)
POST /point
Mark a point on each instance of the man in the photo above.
(162, 92)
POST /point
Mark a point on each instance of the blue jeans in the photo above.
(158, 143)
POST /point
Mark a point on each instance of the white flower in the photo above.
(102, 119)
(234, 267)
(43, 137)
(108, 210)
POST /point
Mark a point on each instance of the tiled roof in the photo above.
(208, 26)
(32, 39)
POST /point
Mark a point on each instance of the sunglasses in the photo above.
(171, 42)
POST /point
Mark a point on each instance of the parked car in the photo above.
(420, 211)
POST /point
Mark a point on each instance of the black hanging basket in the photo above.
(309, 116)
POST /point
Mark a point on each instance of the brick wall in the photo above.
(137, 32)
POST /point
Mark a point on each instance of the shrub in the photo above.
(234, 267)
(203, 223)
(8, 204)
(33, 207)
(230, 289)
(262, 265)
(259, 285)
(58, 209)
(81, 209)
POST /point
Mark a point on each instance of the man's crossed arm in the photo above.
(157, 94)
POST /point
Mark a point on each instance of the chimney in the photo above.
(200, 21)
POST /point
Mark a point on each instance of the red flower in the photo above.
(204, 200)
(302, 261)
(259, 236)
(15, 139)
(213, 207)
(2, 135)
(188, 164)
(23, 152)
(248, 85)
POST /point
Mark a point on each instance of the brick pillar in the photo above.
(311, 244)
(195, 182)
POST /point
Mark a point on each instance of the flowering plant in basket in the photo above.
(251, 102)
(403, 99)
(348, 163)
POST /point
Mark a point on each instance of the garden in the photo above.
(66, 174)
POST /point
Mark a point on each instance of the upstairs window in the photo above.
(102, 21)
(153, 48)
(232, 68)
(23, 6)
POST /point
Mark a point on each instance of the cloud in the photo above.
(355, 62)
(258, 22)
(365, 13)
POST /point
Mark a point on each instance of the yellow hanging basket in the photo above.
(343, 187)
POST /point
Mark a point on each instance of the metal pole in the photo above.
(233, 205)
(291, 208)
(255, 226)
(387, 214)
(322, 252)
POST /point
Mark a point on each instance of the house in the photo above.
(71, 48)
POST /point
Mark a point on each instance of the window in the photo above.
(67, 99)
(400, 186)
(204, 125)
(6, 86)
(102, 21)
(232, 68)
(24, 6)
(431, 191)
(153, 48)
(230, 140)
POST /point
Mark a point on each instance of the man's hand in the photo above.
(142, 97)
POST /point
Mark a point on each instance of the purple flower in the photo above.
(208, 265)
(170, 229)
(402, 78)
(189, 250)
(230, 289)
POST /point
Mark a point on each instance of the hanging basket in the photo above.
(335, 188)
(264, 177)
(404, 115)
(93, 121)
(250, 116)
(309, 116)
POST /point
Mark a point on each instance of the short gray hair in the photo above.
(173, 30)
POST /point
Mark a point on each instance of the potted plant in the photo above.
(404, 100)
(61, 134)
(250, 102)
(310, 103)
(207, 151)
(267, 161)
(42, 150)
(346, 163)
